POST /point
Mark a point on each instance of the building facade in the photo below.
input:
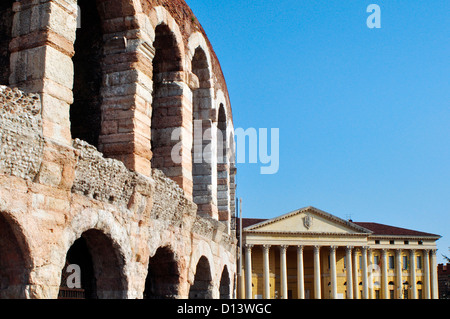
(444, 281)
(103, 105)
(311, 254)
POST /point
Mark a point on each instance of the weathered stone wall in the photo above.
(58, 187)
(75, 190)
(21, 138)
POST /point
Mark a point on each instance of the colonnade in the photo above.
(362, 282)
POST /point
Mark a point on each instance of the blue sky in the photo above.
(364, 114)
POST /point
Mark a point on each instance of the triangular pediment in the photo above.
(309, 219)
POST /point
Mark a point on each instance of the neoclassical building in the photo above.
(311, 254)
(105, 109)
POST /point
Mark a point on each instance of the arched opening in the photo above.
(225, 284)
(99, 267)
(166, 106)
(223, 176)
(85, 112)
(14, 270)
(202, 160)
(222, 135)
(6, 21)
(163, 276)
(202, 287)
(85, 288)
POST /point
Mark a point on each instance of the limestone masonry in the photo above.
(96, 97)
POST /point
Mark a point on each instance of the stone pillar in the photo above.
(384, 274)
(426, 266)
(300, 273)
(356, 294)
(126, 129)
(41, 60)
(433, 276)
(365, 274)
(333, 272)
(248, 272)
(370, 274)
(398, 272)
(204, 168)
(266, 270)
(412, 266)
(283, 269)
(317, 290)
(348, 262)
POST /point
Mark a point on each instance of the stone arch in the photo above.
(15, 259)
(169, 96)
(159, 15)
(107, 243)
(197, 43)
(85, 111)
(101, 61)
(204, 148)
(226, 170)
(166, 98)
(225, 284)
(223, 168)
(163, 277)
(201, 249)
(6, 22)
(202, 288)
(120, 87)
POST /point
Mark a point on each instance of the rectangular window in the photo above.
(419, 293)
(419, 262)
(405, 263)
(391, 262)
(376, 259)
(360, 262)
(391, 294)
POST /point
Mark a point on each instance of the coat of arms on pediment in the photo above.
(308, 221)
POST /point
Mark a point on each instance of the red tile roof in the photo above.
(246, 222)
(381, 229)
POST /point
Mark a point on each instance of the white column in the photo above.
(384, 274)
(348, 262)
(248, 271)
(266, 265)
(398, 271)
(317, 291)
(283, 266)
(434, 277)
(355, 275)
(412, 271)
(370, 278)
(426, 266)
(300, 273)
(364, 273)
(333, 272)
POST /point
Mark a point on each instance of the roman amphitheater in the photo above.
(99, 100)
